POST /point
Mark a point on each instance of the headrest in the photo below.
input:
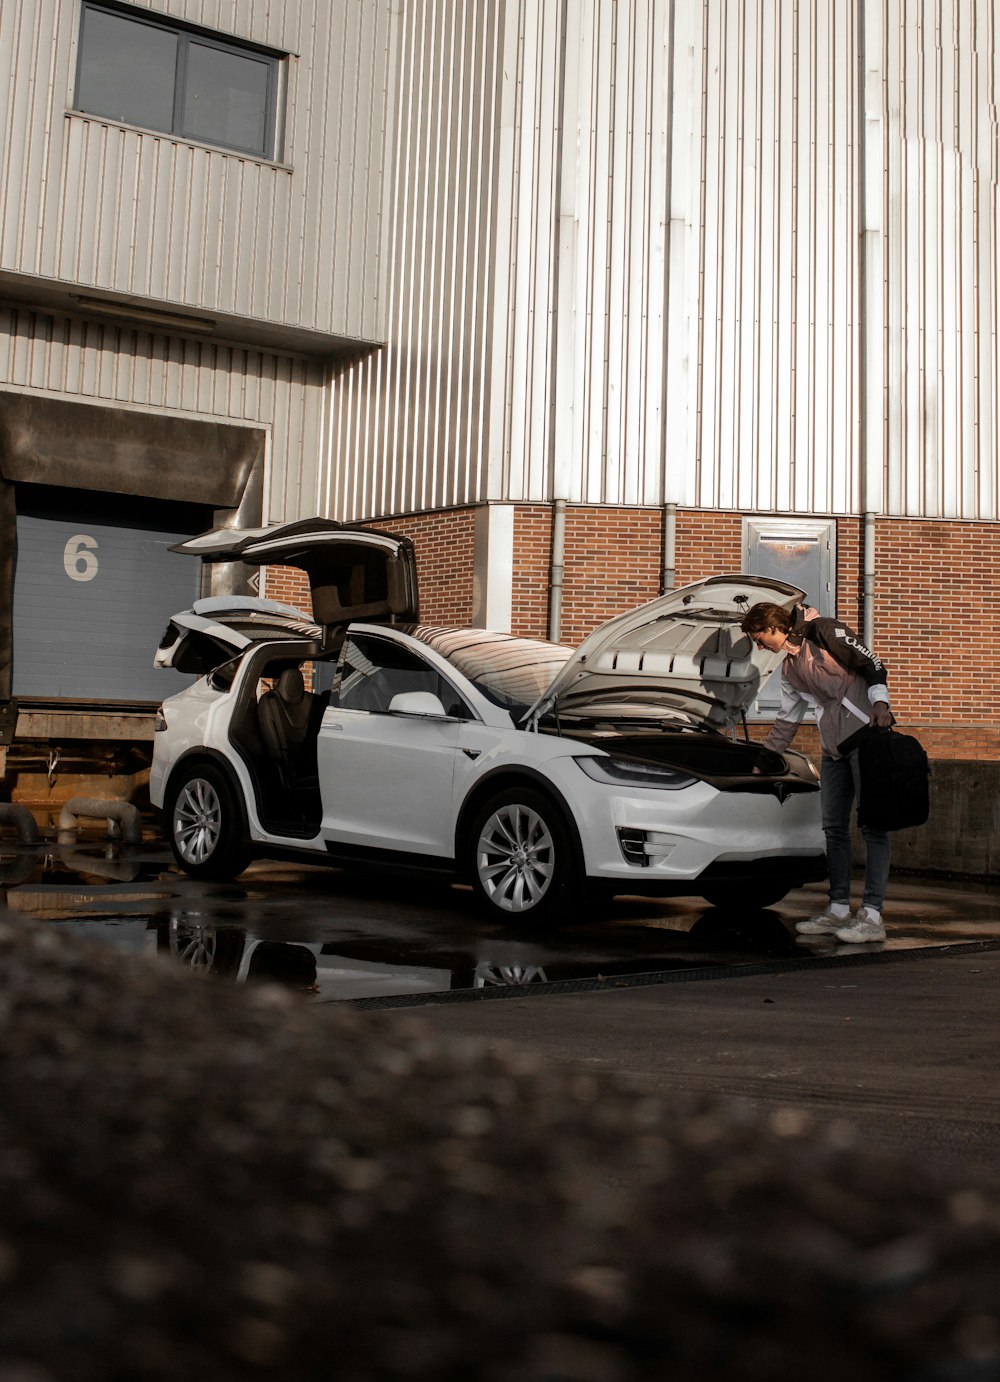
(290, 686)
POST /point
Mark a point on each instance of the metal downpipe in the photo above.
(557, 566)
(868, 598)
(668, 577)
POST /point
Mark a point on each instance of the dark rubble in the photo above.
(204, 1182)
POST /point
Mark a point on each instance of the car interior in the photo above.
(275, 728)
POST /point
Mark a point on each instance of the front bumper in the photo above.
(666, 839)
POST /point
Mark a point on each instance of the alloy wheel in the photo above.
(515, 858)
(197, 821)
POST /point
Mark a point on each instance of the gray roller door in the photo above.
(91, 599)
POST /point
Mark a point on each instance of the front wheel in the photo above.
(521, 857)
(206, 825)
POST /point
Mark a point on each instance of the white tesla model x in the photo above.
(530, 770)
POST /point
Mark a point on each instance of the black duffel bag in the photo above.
(895, 778)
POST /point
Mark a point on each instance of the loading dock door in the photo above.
(94, 586)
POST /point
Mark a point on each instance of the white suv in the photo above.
(528, 769)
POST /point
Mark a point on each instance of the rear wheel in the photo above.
(521, 857)
(207, 825)
(746, 896)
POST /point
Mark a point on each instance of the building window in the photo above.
(145, 70)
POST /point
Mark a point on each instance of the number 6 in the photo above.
(79, 561)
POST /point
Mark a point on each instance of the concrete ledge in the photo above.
(962, 835)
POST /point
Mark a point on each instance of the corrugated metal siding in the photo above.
(408, 428)
(942, 157)
(763, 348)
(741, 256)
(69, 358)
(600, 239)
(97, 204)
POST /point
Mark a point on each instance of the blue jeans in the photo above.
(839, 785)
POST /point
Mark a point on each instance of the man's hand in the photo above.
(882, 715)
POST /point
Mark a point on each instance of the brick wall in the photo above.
(530, 577)
(611, 563)
(937, 586)
(937, 597)
(288, 586)
(445, 543)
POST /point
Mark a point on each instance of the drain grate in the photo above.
(664, 976)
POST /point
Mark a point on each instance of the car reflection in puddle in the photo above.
(354, 969)
(337, 937)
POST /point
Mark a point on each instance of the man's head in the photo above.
(768, 626)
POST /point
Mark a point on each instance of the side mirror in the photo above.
(416, 703)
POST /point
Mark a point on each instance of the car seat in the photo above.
(284, 716)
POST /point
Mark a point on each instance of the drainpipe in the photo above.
(668, 578)
(868, 602)
(556, 568)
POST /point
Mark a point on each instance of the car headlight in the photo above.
(619, 771)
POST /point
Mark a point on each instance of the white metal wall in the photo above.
(409, 428)
(122, 367)
(937, 364)
(90, 202)
(738, 256)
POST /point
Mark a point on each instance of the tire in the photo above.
(746, 896)
(521, 859)
(206, 824)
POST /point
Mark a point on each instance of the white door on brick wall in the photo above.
(801, 552)
(94, 586)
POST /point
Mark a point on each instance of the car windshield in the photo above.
(510, 672)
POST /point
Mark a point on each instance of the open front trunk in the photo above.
(729, 765)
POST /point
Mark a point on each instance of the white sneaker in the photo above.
(865, 925)
(825, 924)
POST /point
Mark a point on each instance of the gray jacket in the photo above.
(833, 672)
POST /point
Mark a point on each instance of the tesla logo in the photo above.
(79, 561)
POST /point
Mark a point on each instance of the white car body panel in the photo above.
(388, 777)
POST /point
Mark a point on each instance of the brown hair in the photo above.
(764, 616)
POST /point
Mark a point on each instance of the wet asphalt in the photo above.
(897, 1040)
(377, 941)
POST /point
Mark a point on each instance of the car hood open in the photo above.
(682, 654)
(353, 572)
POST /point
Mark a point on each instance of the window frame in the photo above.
(188, 35)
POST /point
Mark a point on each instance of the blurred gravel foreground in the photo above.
(199, 1182)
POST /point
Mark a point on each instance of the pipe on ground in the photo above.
(23, 821)
(122, 817)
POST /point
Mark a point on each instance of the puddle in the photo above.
(335, 937)
(75, 867)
